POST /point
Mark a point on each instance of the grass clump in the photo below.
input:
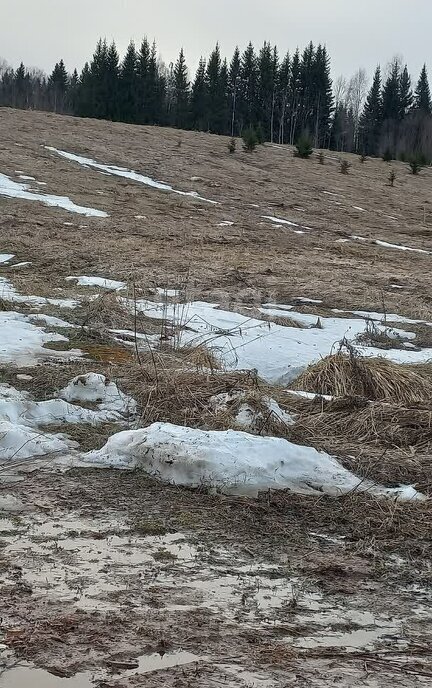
(377, 379)
(150, 527)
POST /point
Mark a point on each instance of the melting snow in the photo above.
(6, 257)
(102, 282)
(128, 174)
(21, 417)
(401, 247)
(13, 189)
(233, 462)
(162, 291)
(278, 220)
(279, 353)
(27, 178)
(9, 293)
(22, 342)
(94, 387)
(386, 244)
(21, 265)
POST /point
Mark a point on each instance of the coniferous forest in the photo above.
(281, 97)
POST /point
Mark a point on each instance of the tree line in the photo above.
(281, 97)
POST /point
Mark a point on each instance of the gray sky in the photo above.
(357, 34)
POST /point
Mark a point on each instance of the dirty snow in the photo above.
(102, 282)
(21, 418)
(247, 417)
(13, 189)
(128, 174)
(233, 461)
(93, 387)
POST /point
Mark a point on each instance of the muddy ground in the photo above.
(111, 579)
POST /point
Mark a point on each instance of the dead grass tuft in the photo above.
(344, 375)
(356, 419)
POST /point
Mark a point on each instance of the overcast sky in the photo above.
(357, 34)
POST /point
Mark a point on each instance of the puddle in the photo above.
(30, 677)
(249, 679)
(156, 662)
(106, 353)
(352, 640)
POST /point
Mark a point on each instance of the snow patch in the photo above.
(12, 189)
(93, 387)
(102, 282)
(279, 221)
(9, 293)
(128, 174)
(22, 342)
(6, 257)
(279, 353)
(233, 461)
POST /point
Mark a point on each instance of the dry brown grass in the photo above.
(342, 375)
(357, 420)
(155, 237)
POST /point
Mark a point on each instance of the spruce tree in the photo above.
(266, 91)
(422, 99)
(20, 99)
(143, 83)
(84, 102)
(215, 93)
(248, 85)
(323, 97)
(391, 95)
(73, 92)
(58, 84)
(234, 89)
(128, 86)
(198, 102)
(372, 117)
(283, 83)
(156, 89)
(307, 99)
(406, 94)
(180, 93)
(112, 72)
(294, 99)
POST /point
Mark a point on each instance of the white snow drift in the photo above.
(102, 282)
(124, 172)
(233, 462)
(22, 342)
(21, 418)
(279, 353)
(13, 189)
